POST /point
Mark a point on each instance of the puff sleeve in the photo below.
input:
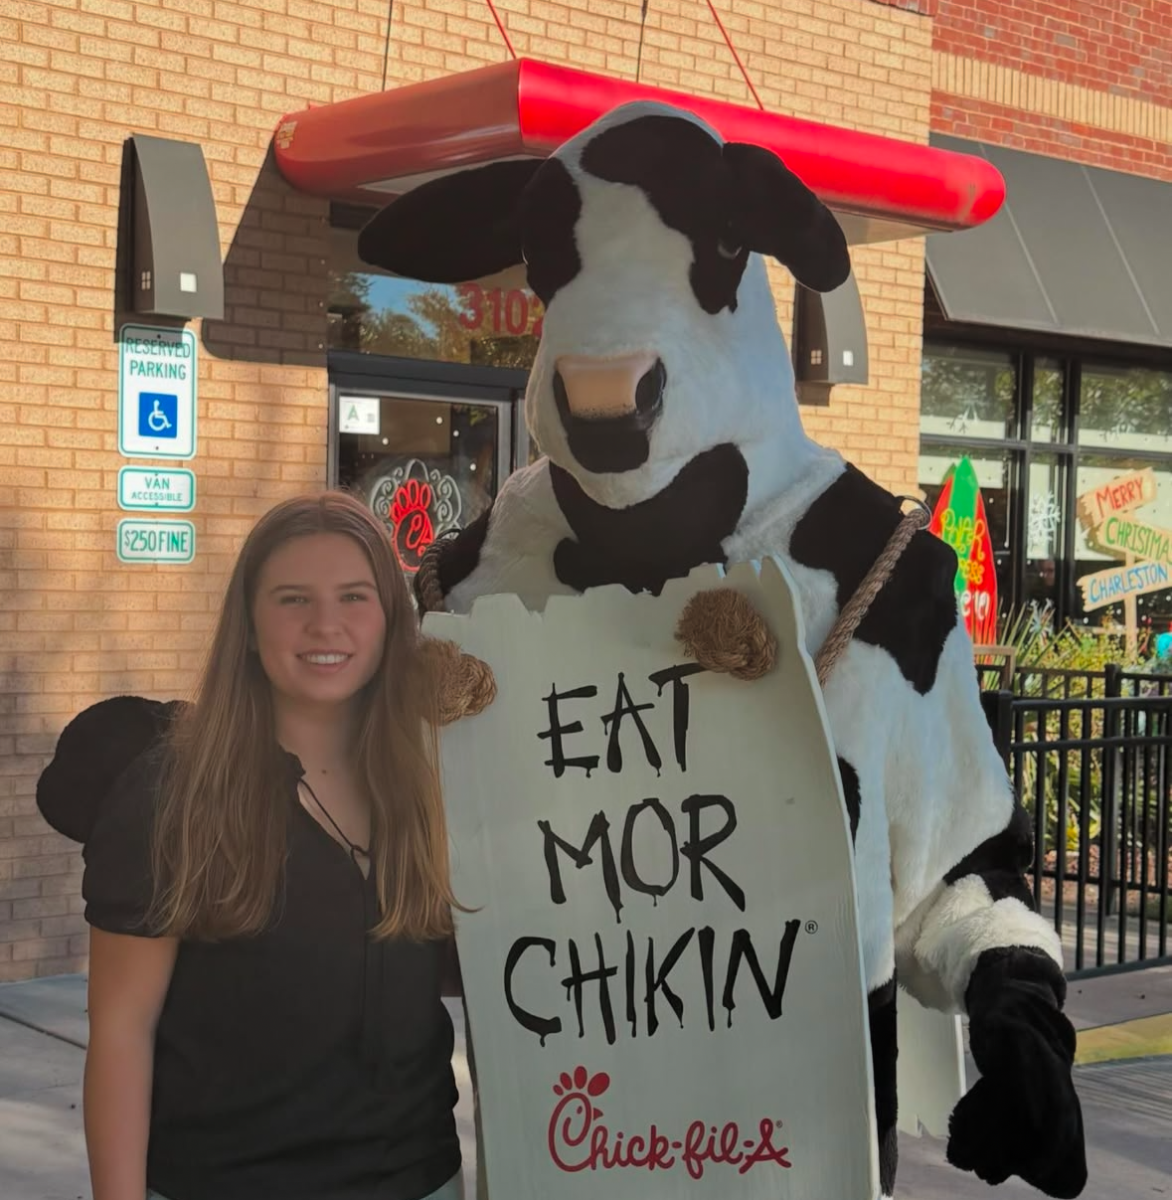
(117, 884)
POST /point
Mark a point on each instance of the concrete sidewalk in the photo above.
(1127, 1104)
(43, 1034)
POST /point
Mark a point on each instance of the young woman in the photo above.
(269, 900)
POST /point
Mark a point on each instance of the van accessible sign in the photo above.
(662, 965)
(169, 490)
(156, 392)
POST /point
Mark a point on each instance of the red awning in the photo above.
(375, 147)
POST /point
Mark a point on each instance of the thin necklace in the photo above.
(355, 849)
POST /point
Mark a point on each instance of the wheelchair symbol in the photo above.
(157, 419)
(158, 414)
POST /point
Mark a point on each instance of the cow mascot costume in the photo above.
(662, 397)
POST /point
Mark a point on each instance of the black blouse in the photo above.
(309, 1061)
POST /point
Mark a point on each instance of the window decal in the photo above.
(417, 505)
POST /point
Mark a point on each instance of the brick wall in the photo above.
(75, 624)
(76, 78)
(1121, 48)
(925, 7)
(1004, 125)
(1084, 81)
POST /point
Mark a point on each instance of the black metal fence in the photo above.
(1090, 755)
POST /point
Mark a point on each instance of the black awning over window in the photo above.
(1075, 250)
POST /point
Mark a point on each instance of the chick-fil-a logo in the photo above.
(578, 1140)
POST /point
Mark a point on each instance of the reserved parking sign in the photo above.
(156, 392)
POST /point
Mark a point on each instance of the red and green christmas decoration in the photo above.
(959, 519)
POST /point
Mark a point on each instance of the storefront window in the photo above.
(1031, 481)
(1126, 408)
(1046, 424)
(1147, 527)
(967, 393)
(495, 323)
(1045, 530)
(423, 466)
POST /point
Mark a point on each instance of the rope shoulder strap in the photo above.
(431, 596)
(427, 583)
(881, 570)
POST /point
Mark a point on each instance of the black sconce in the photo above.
(175, 268)
(830, 341)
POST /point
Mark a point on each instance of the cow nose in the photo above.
(599, 389)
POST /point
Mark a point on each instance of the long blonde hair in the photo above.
(221, 832)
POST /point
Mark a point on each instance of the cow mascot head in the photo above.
(662, 373)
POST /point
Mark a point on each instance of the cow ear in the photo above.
(775, 213)
(459, 227)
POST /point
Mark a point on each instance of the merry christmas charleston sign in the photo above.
(662, 977)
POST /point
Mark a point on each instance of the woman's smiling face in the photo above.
(318, 621)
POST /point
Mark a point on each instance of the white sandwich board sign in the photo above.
(662, 972)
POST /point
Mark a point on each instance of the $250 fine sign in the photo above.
(662, 972)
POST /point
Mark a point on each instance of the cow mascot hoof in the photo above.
(1022, 1117)
(465, 684)
(722, 631)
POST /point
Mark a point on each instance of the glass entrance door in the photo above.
(424, 464)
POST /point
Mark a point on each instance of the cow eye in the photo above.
(727, 251)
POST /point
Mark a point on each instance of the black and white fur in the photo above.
(645, 234)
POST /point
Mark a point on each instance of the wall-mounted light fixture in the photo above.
(175, 268)
(830, 341)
